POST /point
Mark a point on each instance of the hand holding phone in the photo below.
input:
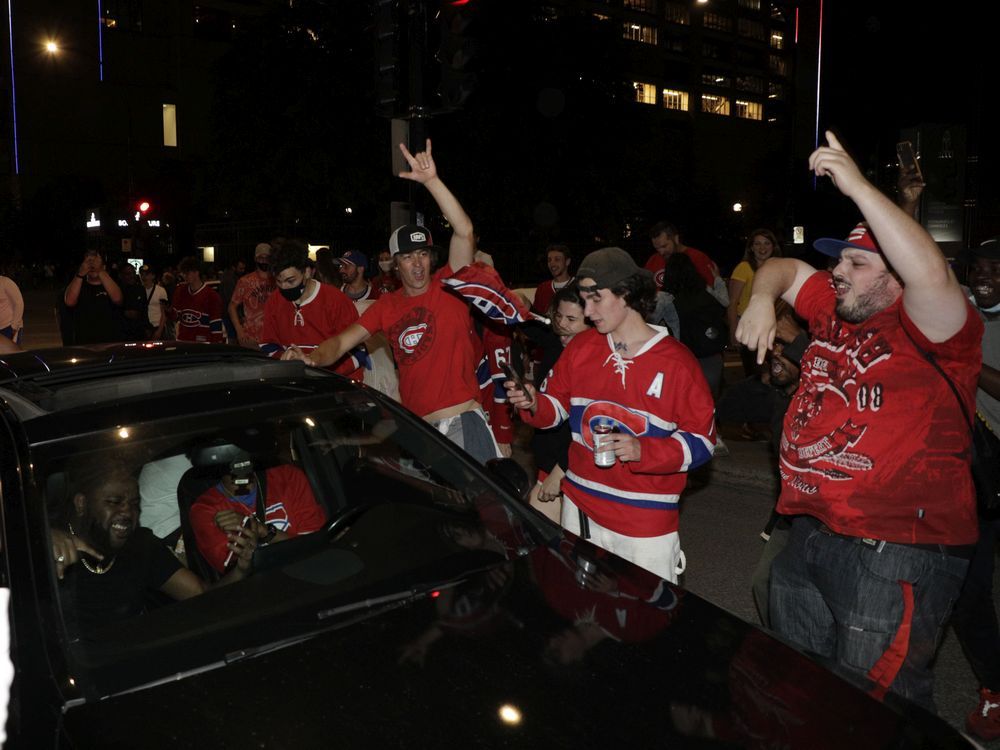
(512, 376)
(232, 552)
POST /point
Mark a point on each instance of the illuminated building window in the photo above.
(677, 13)
(675, 43)
(647, 6)
(778, 65)
(716, 105)
(753, 84)
(777, 40)
(601, 17)
(170, 125)
(638, 33)
(122, 14)
(775, 90)
(750, 4)
(715, 79)
(718, 21)
(749, 110)
(751, 29)
(674, 99)
(645, 93)
(777, 13)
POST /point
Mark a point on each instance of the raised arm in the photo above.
(462, 247)
(779, 278)
(932, 296)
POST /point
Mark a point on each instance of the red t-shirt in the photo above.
(289, 504)
(431, 338)
(702, 264)
(544, 294)
(874, 443)
(325, 313)
(252, 292)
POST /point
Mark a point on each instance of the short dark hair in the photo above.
(560, 248)
(569, 293)
(680, 275)
(662, 227)
(190, 263)
(638, 291)
(288, 254)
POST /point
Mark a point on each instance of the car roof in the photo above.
(44, 382)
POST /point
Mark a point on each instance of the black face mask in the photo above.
(294, 293)
(263, 266)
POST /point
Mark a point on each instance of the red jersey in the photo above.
(324, 313)
(431, 337)
(659, 396)
(289, 505)
(874, 443)
(198, 314)
(253, 292)
(544, 294)
(702, 264)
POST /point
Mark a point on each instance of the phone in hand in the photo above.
(908, 159)
(512, 376)
(229, 557)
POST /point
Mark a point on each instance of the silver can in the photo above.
(603, 456)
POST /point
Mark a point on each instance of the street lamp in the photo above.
(52, 46)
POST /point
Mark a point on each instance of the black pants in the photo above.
(975, 618)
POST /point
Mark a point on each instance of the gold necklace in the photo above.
(95, 569)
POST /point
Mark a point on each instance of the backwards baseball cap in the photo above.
(408, 238)
(262, 249)
(608, 267)
(990, 249)
(355, 258)
(860, 238)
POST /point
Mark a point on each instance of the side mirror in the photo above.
(511, 475)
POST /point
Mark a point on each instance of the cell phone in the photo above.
(908, 159)
(229, 557)
(513, 376)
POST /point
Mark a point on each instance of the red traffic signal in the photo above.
(143, 207)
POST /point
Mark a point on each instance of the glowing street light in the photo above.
(52, 47)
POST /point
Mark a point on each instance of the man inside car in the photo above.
(107, 564)
(280, 507)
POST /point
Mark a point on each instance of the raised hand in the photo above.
(833, 161)
(422, 167)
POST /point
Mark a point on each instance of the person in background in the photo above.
(11, 310)
(156, 303)
(667, 241)
(135, 318)
(761, 245)
(387, 280)
(558, 260)
(250, 295)
(197, 308)
(92, 298)
(227, 285)
(353, 270)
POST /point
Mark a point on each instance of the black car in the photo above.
(431, 607)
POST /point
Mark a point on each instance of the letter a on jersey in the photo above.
(656, 386)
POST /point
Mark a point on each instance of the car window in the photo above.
(395, 511)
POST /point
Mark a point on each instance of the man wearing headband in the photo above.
(874, 455)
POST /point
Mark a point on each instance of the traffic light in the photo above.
(143, 206)
(457, 51)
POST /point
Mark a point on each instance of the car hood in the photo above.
(562, 646)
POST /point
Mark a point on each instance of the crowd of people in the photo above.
(866, 375)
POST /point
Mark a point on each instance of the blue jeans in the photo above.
(845, 601)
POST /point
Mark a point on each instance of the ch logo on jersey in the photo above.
(601, 412)
(413, 334)
(189, 318)
(658, 278)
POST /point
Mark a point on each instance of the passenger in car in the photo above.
(281, 507)
(107, 564)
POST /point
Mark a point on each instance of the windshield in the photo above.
(364, 507)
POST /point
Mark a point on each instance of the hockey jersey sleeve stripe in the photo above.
(271, 350)
(697, 449)
(560, 412)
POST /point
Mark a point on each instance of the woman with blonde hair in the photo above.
(761, 245)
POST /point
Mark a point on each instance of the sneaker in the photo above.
(720, 447)
(984, 722)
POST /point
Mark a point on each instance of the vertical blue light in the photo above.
(819, 75)
(100, 42)
(13, 90)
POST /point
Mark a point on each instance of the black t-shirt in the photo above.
(91, 600)
(134, 298)
(95, 320)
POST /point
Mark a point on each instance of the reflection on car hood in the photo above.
(564, 646)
